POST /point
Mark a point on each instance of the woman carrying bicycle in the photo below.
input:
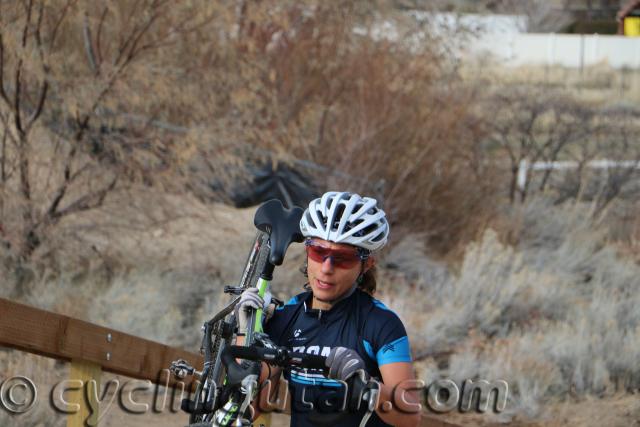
(338, 317)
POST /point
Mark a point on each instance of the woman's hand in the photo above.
(250, 299)
(343, 363)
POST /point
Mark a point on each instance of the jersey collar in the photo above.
(337, 308)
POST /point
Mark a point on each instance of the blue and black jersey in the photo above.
(359, 322)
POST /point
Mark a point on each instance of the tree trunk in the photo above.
(29, 240)
(514, 183)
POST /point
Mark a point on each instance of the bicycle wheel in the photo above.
(254, 265)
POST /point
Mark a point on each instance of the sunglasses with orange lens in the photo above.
(340, 258)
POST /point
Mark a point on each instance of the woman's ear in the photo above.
(369, 263)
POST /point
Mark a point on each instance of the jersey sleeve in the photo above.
(390, 343)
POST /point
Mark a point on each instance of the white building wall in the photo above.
(568, 50)
(502, 37)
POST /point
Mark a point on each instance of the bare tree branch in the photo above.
(3, 161)
(25, 183)
(67, 179)
(87, 201)
(27, 23)
(103, 16)
(88, 44)
(41, 100)
(136, 39)
(18, 81)
(45, 68)
(57, 25)
(3, 93)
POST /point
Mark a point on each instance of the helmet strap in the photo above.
(360, 278)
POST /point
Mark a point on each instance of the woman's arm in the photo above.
(397, 380)
(269, 398)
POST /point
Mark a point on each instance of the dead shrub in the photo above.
(383, 119)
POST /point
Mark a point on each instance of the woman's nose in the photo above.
(327, 265)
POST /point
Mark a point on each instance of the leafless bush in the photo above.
(390, 122)
(425, 153)
(612, 138)
(63, 66)
(533, 124)
(297, 81)
(552, 315)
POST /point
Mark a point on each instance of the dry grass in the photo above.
(44, 373)
(621, 410)
(553, 315)
(595, 84)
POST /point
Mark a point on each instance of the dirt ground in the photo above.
(622, 410)
(615, 411)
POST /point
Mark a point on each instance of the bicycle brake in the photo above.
(180, 369)
(249, 384)
(263, 340)
(234, 290)
(371, 396)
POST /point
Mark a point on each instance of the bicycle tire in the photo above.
(250, 279)
(254, 265)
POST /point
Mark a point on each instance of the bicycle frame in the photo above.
(223, 393)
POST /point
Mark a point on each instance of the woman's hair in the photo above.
(366, 284)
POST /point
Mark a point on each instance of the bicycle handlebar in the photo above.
(278, 356)
(281, 356)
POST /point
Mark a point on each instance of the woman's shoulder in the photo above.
(295, 300)
(378, 318)
(376, 308)
(385, 337)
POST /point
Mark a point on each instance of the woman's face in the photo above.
(329, 282)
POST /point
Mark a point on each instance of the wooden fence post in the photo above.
(264, 419)
(87, 397)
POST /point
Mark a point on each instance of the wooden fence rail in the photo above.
(62, 337)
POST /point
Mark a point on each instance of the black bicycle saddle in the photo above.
(283, 226)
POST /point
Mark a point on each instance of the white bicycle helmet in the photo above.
(343, 217)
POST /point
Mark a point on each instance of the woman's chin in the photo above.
(324, 292)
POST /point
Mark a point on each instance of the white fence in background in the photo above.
(569, 50)
(503, 37)
(524, 166)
